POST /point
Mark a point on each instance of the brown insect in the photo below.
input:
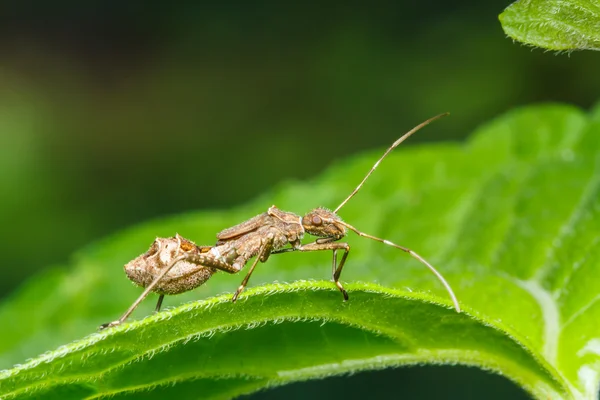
(176, 265)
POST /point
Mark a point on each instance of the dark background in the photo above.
(114, 113)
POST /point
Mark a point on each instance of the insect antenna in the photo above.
(414, 255)
(392, 147)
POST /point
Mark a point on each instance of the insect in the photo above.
(176, 265)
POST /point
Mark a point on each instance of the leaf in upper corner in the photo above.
(510, 218)
(554, 24)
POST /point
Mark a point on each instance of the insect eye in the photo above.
(316, 220)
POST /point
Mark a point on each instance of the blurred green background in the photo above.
(114, 113)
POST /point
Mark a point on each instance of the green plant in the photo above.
(511, 218)
(554, 24)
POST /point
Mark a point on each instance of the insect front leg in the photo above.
(329, 244)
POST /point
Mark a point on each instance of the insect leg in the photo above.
(262, 256)
(334, 263)
(206, 260)
(326, 244)
(145, 292)
(286, 250)
(159, 303)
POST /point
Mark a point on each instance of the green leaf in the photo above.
(554, 24)
(510, 218)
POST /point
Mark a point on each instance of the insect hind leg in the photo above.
(159, 303)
